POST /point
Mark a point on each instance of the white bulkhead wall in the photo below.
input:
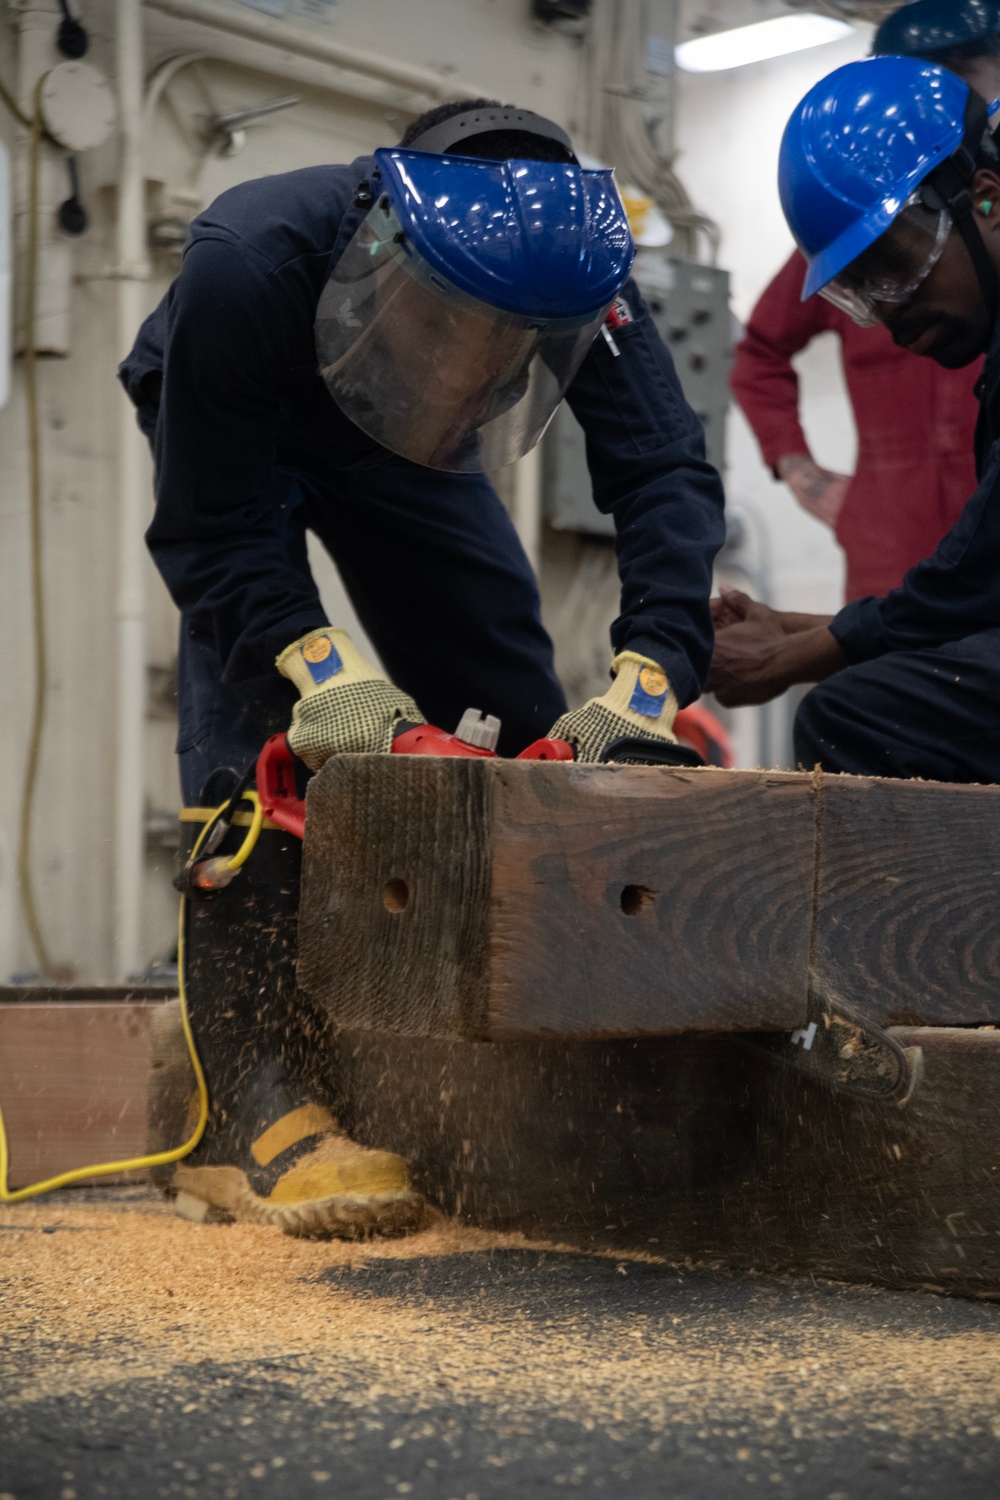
(491, 44)
(729, 129)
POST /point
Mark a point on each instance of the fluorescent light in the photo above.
(756, 43)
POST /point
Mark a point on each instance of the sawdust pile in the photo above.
(104, 1292)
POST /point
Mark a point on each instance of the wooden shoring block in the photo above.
(74, 1081)
(491, 900)
(698, 1150)
(860, 1191)
(906, 900)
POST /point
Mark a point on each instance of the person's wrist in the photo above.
(790, 464)
(795, 623)
(809, 656)
(779, 665)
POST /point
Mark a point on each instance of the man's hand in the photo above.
(749, 642)
(639, 705)
(346, 706)
(819, 491)
(760, 652)
(732, 607)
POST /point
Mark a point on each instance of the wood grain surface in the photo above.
(907, 890)
(631, 901)
(490, 900)
(73, 1084)
(395, 907)
(700, 1151)
(483, 900)
(902, 1196)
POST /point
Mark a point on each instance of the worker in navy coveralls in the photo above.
(346, 351)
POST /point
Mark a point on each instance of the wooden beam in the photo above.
(908, 1196)
(74, 1080)
(694, 1149)
(907, 880)
(698, 1150)
(490, 900)
(487, 900)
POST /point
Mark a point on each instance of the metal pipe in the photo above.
(8, 908)
(526, 507)
(37, 24)
(132, 273)
(307, 43)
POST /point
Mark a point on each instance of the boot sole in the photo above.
(222, 1195)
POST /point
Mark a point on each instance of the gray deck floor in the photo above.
(142, 1356)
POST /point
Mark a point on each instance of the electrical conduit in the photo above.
(307, 42)
(132, 274)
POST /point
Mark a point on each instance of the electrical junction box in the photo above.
(78, 107)
(689, 304)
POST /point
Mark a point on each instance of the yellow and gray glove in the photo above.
(639, 705)
(345, 705)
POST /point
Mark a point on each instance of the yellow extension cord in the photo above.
(159, 1158)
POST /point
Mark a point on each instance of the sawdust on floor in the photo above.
(121, 1289)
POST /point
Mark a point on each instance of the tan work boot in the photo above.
(300, 1173)
(307, 1178)
(272, 1152)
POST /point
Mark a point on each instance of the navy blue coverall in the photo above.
(921, 696)
(251, 452)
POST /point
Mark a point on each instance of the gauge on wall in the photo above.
(78, 106)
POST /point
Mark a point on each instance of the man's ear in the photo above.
(986, 194)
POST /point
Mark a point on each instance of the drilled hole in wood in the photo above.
(396, 896)
(636, 898)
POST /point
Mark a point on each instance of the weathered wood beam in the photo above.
(698, 1150)
(906, 895)
(489, 900)
(74, 1078)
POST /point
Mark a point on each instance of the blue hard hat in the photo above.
(861, 141)
(930, 28)
(539, 239)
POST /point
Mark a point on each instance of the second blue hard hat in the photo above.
(932, 28)
(860, 142)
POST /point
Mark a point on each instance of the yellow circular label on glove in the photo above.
(653, 681)
(318, 649)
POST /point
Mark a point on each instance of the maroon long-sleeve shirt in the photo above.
(915, 467)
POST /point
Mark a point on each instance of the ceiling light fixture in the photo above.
(757, 43)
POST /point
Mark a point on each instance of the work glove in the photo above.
(345, 705)
(639, 705)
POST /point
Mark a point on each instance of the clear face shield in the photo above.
(429, 371)
(894, 268)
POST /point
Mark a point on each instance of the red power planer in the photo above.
(279, 798)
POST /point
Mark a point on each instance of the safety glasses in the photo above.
(892, 270)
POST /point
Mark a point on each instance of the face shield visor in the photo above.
(429, 369)
(894, 268)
